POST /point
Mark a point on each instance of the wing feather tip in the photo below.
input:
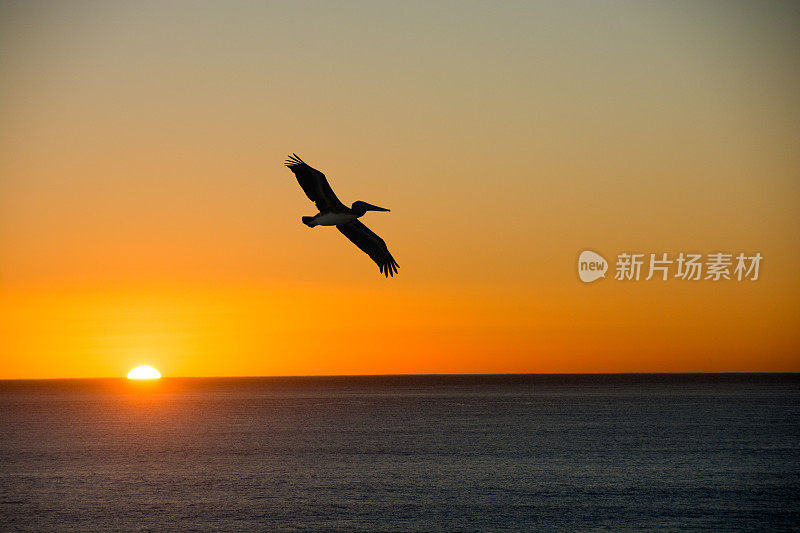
(389, 268)
(293, 160)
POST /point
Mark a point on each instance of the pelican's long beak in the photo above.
(371, 207)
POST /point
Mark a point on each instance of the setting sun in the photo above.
(144, 372)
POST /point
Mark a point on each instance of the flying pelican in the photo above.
(332, 212)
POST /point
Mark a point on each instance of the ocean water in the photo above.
(425, 453)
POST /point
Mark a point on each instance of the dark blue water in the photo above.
(402, 453)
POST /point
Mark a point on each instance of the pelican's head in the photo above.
(360, 208)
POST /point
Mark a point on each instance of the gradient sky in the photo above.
(146, 217)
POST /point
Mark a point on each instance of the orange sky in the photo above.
(146, 217)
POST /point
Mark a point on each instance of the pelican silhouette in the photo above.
(333, 212)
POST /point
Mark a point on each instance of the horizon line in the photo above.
(278, 376)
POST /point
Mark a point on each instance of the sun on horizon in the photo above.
(144, 372)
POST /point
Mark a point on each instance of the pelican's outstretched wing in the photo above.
(370, 244)
(313, 183)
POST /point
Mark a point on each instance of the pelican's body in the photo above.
(330, 218)
(333, 212)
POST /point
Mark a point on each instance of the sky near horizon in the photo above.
(146, 216)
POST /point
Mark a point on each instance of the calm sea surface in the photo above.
(426, 453)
